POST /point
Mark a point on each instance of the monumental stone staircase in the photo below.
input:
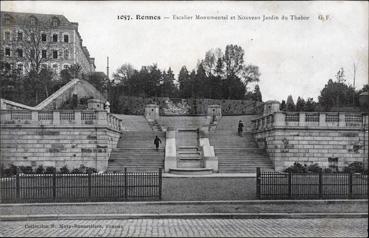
(237, 154)
(136, 152)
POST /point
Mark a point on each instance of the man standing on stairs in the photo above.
(156, 142)
(240, 128)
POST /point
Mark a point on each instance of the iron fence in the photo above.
(275, 185)
(125, 186)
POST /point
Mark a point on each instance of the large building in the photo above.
(42, 40)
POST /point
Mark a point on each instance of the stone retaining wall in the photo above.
(329, 144)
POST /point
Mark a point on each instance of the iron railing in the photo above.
(125, 186)
(275, 185)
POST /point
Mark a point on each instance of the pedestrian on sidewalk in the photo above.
(240, 128)
(157, 141)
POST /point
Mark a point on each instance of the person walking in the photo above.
(240, 128)
(157, 141)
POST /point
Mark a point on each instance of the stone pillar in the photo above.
(102, 118)
(34, 117)
(302, 120)
(214, 112)
(322, 117)
(279, 119)
(152, 112)
(341, 120)
(170, 161)
(78, 118)
(95, 104)
(56, 118)
(271, 107)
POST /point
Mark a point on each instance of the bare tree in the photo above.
(33, 45)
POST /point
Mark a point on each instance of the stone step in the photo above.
(189, 163)
(191, 171)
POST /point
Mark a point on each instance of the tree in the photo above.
(290, 105)
(335, 94)
(123, 74)
(300, 104)
(184, 83)
(33, 45)
(282, 107)
(310, 105)
(257, 94)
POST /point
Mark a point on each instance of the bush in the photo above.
(328, 170)
(26, 169)
(314, 168)
(11, 171)
(50, 170)
(64, 170)
(40, 170)
(296, 168)
(91, 170)
(355, 167)
(76, 171)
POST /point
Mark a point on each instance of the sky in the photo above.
(295, 57)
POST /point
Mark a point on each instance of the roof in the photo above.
(45, 20)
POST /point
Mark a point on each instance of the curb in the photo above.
(182, 216)
(226, 202)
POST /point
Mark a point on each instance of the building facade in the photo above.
(42, 40)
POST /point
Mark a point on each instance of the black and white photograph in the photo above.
(184, 118)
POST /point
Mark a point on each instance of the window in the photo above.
(66, 38)
(55, 54)
(33, 20)
(7, 51)
(43, 37)
(7, 35)
(55, 37)
(20, 36)
(43, 54)
(66, 54)
(55, 22)
(55, 67)
(32, 37)
(20, 52)
(43, 66)
(20, 67)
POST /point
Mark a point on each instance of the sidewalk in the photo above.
(187, 209)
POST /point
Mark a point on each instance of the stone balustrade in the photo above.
(311, 120)
(75, 118)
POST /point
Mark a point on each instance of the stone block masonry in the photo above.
(291, 138)
(58, 143)
(57, 146)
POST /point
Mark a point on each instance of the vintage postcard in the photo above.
(184, 119)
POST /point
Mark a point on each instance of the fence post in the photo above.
(350, 185)
(17, 186)
(320, 184)
(160, 182)
(89, 185)
(289, 185)
(54, 185)
(258, 182)
(125, 184)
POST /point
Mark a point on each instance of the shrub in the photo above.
(50, 170)
(26, 169)
(314, 168)
(76, 171)
(91, 170)
(355, 167)
(40, 170)
(11, 171)
(328, 170)
(64, 170)
(296, 168)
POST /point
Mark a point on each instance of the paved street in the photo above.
(190, 227)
